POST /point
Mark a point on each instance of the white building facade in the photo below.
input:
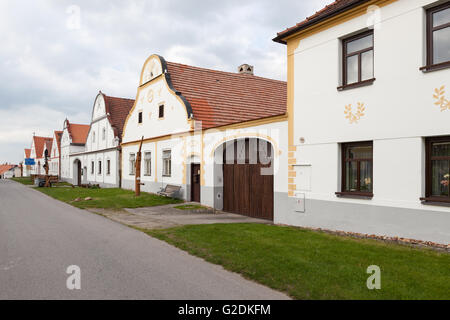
(73, 140)
(38, 145)
(54, 155)
(100, 159)
(191, 120)
(369, 114)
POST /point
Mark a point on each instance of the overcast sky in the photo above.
(56, 55)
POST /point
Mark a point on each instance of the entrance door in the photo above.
(79, 172)
(248, 185)
(195, 182)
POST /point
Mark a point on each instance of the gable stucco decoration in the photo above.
(155, 71)
(354, 117)
(441, 100)
(99, 108)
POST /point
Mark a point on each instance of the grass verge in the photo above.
(314, 265)
(23, 180)
(111, 198)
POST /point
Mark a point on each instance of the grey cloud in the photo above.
(49, 71)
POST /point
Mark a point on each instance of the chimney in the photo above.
(245, 69)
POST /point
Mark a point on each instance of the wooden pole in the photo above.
(137, 175)
(47, 179)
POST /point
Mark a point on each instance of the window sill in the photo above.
(358, 195)
(435, 67)
(166, 176)
(356, 85)
(438, 201)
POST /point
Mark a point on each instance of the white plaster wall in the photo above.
(96, 177)
(400, 112)
(175, 117)
(65, 150)
(187, 147)
(174, 144)
(399, 105)
(401, 98)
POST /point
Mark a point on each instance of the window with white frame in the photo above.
(132, 163)
(148, 163)
(99, 167)
(103, 134)
(93, 136)
(108, 166)
(92, 167)
(167, 163)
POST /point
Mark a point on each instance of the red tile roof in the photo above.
(39, 145)
(27, 153)
(118, 109)
(6, 167)
(332, 9)
(78, 132)
(220, 98)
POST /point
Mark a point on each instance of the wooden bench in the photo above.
(169, 191)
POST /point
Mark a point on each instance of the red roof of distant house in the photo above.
(78, 132)
(39, 145)
(6, 167)
(220, 98)
(118, 109)
(27, 153)
(330, 10)
(49, 145)
(58, 135)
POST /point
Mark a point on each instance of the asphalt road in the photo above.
(41, 237)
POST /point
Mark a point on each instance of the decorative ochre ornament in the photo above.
(441, 100)
(354, 117)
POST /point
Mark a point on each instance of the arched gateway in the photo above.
(247, 173)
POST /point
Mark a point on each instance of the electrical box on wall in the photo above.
(299, 205)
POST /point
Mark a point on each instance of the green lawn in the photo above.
(315, 265)
(111, 198)
(23, 180)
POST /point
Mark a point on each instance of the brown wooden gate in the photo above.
(246, 190)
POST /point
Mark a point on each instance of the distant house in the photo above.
(73, 140)
(54, 164)
(100, 160)
(38, 145)
(8, 171)
(26, 168)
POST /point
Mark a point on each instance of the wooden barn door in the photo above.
(246, 190)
